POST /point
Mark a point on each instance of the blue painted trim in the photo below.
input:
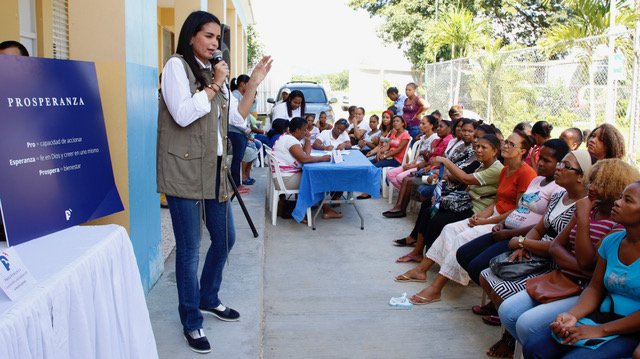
(144, 202)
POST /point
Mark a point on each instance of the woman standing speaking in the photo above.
(191, 167)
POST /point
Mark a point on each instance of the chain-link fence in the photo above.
(582, 84)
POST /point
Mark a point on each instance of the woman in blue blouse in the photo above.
(615, 287)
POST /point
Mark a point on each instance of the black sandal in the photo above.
(504, 346)
(402, 242)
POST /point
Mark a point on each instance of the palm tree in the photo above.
(460, 30)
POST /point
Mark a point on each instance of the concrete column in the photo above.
(232, 21)
(219, 9)
(10, 21)
(44, 19)
(183, 8)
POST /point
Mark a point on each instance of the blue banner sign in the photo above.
(55, 167)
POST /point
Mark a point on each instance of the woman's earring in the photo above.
(190, 43)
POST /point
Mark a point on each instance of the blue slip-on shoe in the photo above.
(227, 315)
(248, 182)
(198, 341)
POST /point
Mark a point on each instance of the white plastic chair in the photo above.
(408, 157)
(270, 185)
(275, 193)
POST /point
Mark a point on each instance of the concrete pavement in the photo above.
(323, 294)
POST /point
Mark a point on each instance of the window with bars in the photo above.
(60, 29)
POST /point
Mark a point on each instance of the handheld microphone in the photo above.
(217, 56)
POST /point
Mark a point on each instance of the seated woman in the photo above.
(370, 139)
(279, 126)
(386, 129)
(559, 214)
(402, 177)
(474, 256)
(313, 130)
(399, 175)
(574, 249)
(613, 288)
(605, 141)
(514, 179)
(322, 122)
(483, 184)
(357, 126)
(393, 153)
(290, 154)
(335, 138)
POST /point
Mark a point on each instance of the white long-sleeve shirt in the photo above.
(185, 108)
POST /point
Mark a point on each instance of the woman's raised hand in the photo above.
(261, 70)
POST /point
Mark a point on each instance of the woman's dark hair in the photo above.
(296, 123)
(527, 142)
(401, 119)
(237, 81)
(384, 127)
(611, 138)
(351, 110)
(376, 116)
(493, 140)
(447, 123)
(577, 135)
(363, 111)
(487, 129)
(391, 90)
(523, 126)
(466, 121)
(432, 120)
(542, 128)
(436, 114)
(292, 95)
(19, 46)
(559, 148)
(278, 126)
(341, 121)
(192, 25)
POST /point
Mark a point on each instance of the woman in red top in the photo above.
(393, 153)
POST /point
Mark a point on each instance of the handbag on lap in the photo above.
(516, 270)
(552, 286)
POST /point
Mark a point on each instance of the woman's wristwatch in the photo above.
(521, 241)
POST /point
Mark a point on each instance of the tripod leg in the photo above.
(244, 208)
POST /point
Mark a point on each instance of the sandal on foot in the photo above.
(402, 242)
(504, 348)
(411, 259)
(487, 309)
(405, 278)
(492, 320)
(426, 301)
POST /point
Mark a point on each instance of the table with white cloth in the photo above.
(319, 179)
(87, 301)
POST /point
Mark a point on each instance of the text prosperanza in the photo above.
(44, 101)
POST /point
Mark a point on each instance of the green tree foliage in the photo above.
(255, 52)
(406, 21)
(339, 81)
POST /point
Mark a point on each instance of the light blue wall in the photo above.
(142, 123)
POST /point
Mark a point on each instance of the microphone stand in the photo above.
(236, 194)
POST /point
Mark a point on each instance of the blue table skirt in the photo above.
(355, 174)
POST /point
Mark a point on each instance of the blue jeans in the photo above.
(541, 345)
(426, 191)
(474, 256)
(387, 162)
(238, 145)
(413, 131)
(185, 216)
(522, 315)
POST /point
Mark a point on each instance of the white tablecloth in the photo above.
(88, 301)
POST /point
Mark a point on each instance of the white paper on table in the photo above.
(15, 278)
(336, 156)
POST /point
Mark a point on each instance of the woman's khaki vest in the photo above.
(187, 156)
